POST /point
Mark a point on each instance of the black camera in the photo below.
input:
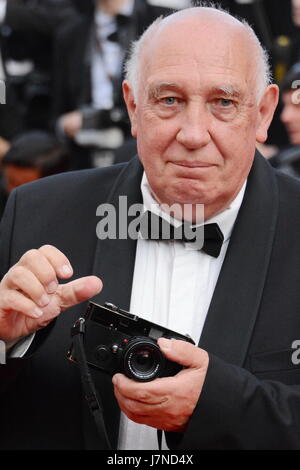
(118, 341)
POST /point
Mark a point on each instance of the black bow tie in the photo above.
(209, 237)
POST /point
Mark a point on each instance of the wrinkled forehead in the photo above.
(199, 45)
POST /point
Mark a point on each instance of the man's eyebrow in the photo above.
(227, 90)
(156, 90)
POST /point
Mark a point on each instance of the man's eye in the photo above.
(169, 100)
(225, 103)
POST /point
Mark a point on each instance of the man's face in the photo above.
(196, 118)
(290, 116)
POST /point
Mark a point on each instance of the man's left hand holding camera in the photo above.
(165, 403)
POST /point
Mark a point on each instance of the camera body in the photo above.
(118, 341)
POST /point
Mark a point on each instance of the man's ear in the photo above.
(131, 106)
(266, 109)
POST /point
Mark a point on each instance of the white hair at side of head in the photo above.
(132, 65)
(263, 70)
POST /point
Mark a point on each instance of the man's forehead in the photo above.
(181, 41)
(213, 53)
(195, 25)
(185, 53)
(201, 17)
(229, 76)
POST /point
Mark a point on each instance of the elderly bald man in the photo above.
(199, 97)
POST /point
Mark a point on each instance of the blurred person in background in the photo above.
(290, 115)
(88, 102)
(32, 155)
(288, 158)
(27, 31)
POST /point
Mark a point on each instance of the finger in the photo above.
(46, 264)
(79, 290)
(184, 353)
(141, 407)
(20, 278)
(152, 415)
(138, 418)
(58, 260)
(37, 263)
(136, 408)
(145, 392)
(15, 301)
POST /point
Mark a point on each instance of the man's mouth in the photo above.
(188, 164)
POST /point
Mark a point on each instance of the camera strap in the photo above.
(90, 393)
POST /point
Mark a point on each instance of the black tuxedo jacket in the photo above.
(251, 396)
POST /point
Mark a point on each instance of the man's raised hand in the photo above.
(31, 296)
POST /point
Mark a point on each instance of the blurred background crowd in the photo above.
(62, 65)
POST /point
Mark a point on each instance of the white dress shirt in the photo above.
(173, 284)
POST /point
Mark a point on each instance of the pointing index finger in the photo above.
(58, 261)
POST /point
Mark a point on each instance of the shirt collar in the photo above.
(224, 219)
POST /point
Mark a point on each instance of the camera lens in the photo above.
(142, 359)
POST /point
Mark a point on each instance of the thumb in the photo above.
(184, 353)
(77, 291)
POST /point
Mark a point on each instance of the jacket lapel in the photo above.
(114, 259)
(235, 303)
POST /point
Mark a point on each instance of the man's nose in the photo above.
(194, 128)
